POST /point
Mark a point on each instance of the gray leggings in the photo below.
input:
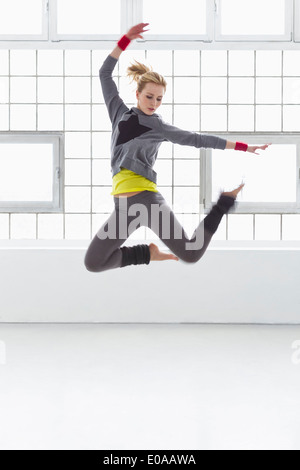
(104, 250)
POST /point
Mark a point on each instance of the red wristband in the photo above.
(124, 42)
(241, 146)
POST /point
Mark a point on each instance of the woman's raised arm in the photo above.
(134, 33)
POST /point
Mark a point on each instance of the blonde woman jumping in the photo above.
(137, 134)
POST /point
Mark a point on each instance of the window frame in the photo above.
(32, 37)
(161, 38)
(296, 21)
(286, 37)
(126, 22)
(244, 207)
(57, 203)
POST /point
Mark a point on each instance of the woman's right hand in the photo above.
(136, 31)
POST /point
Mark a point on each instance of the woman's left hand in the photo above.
(253, 148)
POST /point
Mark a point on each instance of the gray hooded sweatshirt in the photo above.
(136, 136)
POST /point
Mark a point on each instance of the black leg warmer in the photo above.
(213, 219)
(138, 254)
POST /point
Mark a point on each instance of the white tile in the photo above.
(291, 118)
(23, 226)
(77, 199)
(213, 63)
(101, 144)
(50, 62)
(100, 118)
(241, 63)
(213, 90)
(23, 117)
(101, 172)
(291, 90)
(102, 200)
(161, 61)
(268, 90)
(267, 227)
(50, 90)
(4, 89)
(240, 227)
(97, 95)
(77, 90)
(50, 117)
(4, 62)
(77, 227)
(268, 118)
(186, 62)
(213, 118)
(186, 90)
(241, 90)
(163, 169)
(23, 90)
(77, 117)
(98, 57)
(78, 62)
(22, 62)
(187, 172)
(186, 117)
(291, 227)
(268, 63)
(241, 118)
(291, 63)
(4, 117)
(50, 226)
(77, 144)
(186, 199)
(77, 172)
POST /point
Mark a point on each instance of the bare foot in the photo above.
(235, 192)
(157, 255)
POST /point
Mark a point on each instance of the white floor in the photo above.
(158, 387)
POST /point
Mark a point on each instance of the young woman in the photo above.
(137, 134)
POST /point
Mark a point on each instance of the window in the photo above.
(171, 20)
(87, 19)
(13, 26)
(272, 179)
(257, 20)
(30, 172)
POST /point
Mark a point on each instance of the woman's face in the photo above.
(150, 98)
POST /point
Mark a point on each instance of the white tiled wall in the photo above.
(208, 91)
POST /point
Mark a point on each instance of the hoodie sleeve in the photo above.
(115, 105)
(182, 137)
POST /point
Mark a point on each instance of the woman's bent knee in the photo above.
(192, 256)
(91, 266)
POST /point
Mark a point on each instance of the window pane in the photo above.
(12, 23)
(187, 17)
(253, 17)
(269, 178)
(34, 179)
(88, 17)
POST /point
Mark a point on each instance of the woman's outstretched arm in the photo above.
(250, 148)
